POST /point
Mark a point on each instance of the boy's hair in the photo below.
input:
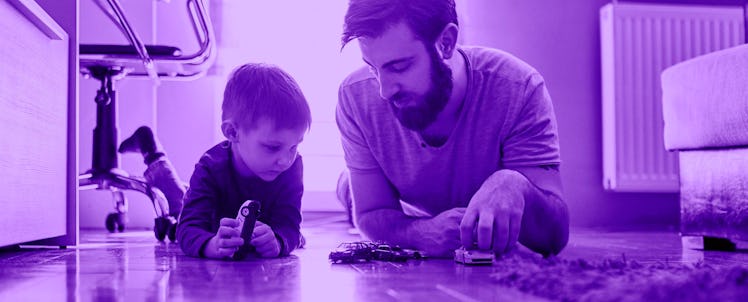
(258, 90)
(370, 18)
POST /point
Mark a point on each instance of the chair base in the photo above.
(117, 180)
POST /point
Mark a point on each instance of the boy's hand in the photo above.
(226, 241)
(264, 241)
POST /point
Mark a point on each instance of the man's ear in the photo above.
(446, 42)
(230, 131)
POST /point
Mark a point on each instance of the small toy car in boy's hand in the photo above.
(474, 257)
(247, 218)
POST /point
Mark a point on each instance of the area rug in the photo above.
(619, 279)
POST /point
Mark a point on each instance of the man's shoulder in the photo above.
(360, 76)
(359, 92)
(498, 62)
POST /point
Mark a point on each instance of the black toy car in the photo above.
(348, 252)
(387, 252)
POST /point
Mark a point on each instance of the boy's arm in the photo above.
(196, 221)
(284, 215)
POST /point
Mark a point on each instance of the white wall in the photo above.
(303, 38)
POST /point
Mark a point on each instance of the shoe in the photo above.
(142, 141)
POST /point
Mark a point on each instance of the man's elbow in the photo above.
(560, 235)
(549, 238)
(362, 222)
(559, 242)
(375, 226)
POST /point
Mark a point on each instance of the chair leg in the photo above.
(164, 225)
(104, 173)
(117, 180)
(120, 201)
(160, 204)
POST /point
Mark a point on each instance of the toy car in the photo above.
(386, 252)
(247, 217)
(413, 254)
(474, 257)
(348, 252)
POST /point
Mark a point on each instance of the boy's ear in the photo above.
(229, 131)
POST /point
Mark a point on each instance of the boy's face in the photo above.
(412, 78)
(264, 150)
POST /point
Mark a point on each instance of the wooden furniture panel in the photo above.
(34, 100)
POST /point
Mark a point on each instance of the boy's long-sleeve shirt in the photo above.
(217, 191)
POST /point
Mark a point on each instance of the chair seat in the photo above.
(705, 101)
(155, 51)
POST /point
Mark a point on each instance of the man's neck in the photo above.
(439, 131)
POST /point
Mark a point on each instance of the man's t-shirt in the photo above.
(217, 191)
(506, 121)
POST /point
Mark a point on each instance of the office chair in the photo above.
(109, 63)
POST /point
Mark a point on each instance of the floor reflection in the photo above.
(133, 266)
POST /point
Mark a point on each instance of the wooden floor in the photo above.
(133, 266)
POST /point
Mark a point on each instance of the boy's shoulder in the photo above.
(216, 159)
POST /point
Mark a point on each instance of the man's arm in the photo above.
(521, 204)
(523, 201)
(545, 223)
(379, 215)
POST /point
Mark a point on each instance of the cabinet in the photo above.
(38, 103)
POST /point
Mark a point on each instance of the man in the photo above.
(467, 136)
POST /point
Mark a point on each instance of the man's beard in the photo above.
(423, 113)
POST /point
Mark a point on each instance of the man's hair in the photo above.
(257, 90)
(371, 18)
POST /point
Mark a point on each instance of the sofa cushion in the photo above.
(705, 101)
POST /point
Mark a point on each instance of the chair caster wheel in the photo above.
(164, 226)
(115, 220)
(172, 234)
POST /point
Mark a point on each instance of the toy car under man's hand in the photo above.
(474, 257)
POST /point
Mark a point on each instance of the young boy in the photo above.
(265, 117)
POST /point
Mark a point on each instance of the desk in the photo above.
(36, 163)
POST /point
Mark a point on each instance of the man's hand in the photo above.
(494, 215)
(264, 241)
(440, 236)
(226, 241)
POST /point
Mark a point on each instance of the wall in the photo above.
(307, 46)
(561, 39)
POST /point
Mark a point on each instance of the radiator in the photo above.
(638, 41)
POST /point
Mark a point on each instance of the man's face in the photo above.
(267, 151)
(412, 77)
